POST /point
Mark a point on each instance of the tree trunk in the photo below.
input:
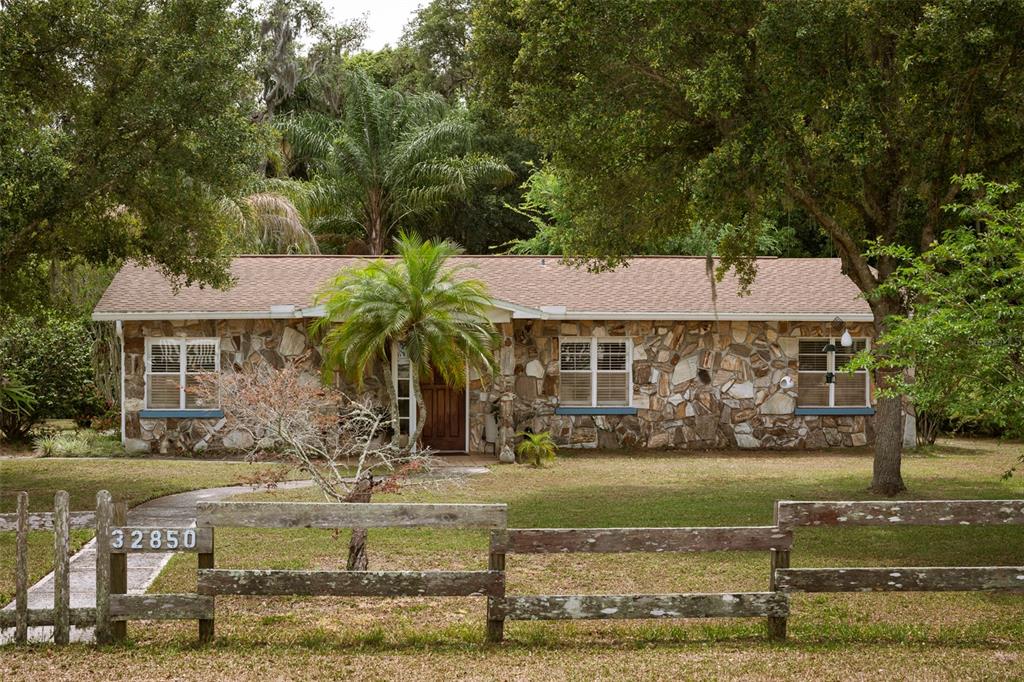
(887, 478)
(358, 560)
(421, 408)
(375, 232)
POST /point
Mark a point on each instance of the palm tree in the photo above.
(389, 156)
(418, 301)
(264, 218)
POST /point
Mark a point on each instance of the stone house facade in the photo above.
(615, 381)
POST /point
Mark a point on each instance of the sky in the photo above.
(386, 18)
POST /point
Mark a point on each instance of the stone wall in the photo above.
(242, 343)
(740, 405)
(736, 401)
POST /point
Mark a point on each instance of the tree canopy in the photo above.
(965, 338)
(120, 131)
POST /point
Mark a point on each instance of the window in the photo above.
(172, 365)
(594, 372)
(818, 365)
(403, 385)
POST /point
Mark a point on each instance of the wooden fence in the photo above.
(773, 605)
(790, 515)
(222, 581)
(115, 540)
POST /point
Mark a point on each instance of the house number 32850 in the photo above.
(169, 539)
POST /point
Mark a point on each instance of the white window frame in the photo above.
(182, 342)
(830, 366)
(594, 371)
(396, 351)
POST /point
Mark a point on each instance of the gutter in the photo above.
(119, 328)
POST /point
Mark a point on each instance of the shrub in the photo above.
(16, 400)
(53, 355)
(537, 448)
(77, 444)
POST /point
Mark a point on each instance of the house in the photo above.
(640, 357)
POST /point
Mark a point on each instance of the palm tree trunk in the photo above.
(421, 408)
(375, 229)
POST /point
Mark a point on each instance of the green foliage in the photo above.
(438, 39)
(536, 448)
(545, 205)
(730, 113)
(52, 354)
(965, 339)
(420, 301)
(77, 444)
(388, 157)
(16, 399)
(120, 129)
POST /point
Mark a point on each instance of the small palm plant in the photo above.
(536, 448)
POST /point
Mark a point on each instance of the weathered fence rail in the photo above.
(606, 606)
(351, 583)
(774, 605)
(889, 579)
(616, 540)
(60, 522)
(791, 514)
(332, 515)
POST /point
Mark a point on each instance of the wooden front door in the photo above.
(445, 426)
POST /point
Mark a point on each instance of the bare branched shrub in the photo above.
(341, 442)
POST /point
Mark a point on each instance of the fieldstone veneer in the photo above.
(242, 343)
(741, 405)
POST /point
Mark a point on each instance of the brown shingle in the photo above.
(659, 285)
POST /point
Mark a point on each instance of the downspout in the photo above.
(120, 392)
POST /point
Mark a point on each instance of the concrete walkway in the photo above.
(173, 511)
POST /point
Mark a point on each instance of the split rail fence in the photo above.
(115, 540)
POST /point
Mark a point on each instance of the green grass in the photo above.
(130, 480)
(962, 636)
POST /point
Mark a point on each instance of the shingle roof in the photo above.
(662, 286)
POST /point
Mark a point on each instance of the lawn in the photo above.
(924, 636)
(130, 480)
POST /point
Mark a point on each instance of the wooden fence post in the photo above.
(21, 572)
(206, 625)
(496, 562)
(777, 625)
(119, 574)
(104, 522)
(61, 569)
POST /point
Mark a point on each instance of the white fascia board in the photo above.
(196, 315)
(692, 316)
